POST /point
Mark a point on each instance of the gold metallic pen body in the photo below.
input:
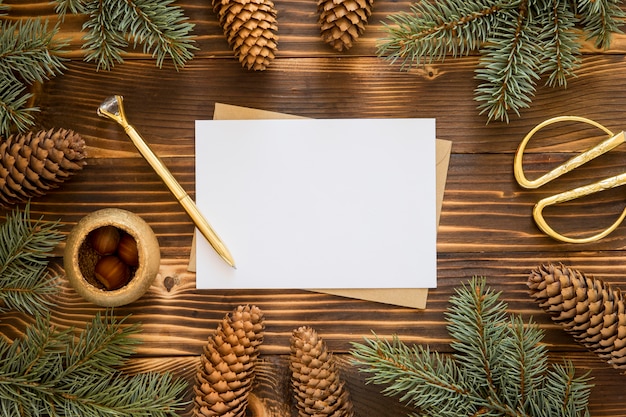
(112, 108)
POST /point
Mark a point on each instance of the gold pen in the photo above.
(113, 109)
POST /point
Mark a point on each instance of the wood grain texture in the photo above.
(486, 228)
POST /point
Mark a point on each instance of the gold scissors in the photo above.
(601, 148)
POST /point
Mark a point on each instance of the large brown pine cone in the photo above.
(343, 21)
(318, 388)
(592, 311)
(250, 27)
(226, 373)
(35, 162)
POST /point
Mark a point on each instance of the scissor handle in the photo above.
(602, 185)
(572, 163)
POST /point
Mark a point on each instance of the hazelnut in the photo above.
(112, 272)
(127, 250)
(105, 239)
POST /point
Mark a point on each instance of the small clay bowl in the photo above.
(80, 259)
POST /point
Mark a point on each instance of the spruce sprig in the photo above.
(29, 53)
(53, 372)
(25, 245)
(499, 367)
(559, 58)
(600, 19)
(112, 26)
(519, 42)
(14, 110)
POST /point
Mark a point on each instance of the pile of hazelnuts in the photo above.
(117, 256)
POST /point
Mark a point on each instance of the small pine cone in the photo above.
(590, 310)
(343, 21)
(33, 163)
(226, 372)
(318, 388)
(250, 27)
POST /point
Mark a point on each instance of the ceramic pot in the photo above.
(80, 258)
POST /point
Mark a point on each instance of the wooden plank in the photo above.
(484, 210)
(177, 318)
(486, 225)
(163, 104)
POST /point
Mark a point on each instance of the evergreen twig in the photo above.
(51, 372)
(13, 107)
(600, 19)
(112, 26)
(499, 366)
(31, 52)
(28, 54)
(518, 41)
(25, 246)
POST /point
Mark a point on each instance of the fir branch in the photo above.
(14, 113)
(477, 340)
(518, 40)
(499, 366)
(50, 372)
(522, 372)
(433, 30)
(148, 394)
(29, 53)
(601, 19)
(112, 25)
(153, 28)
(105, 44)
(25, 246)
(565, 393)
(561, 51)
(63, 7)
(508, 67)
(100, 349)
(425, 380)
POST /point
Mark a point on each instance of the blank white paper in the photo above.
(310, 203)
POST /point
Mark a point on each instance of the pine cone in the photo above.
(250, 27)
(318, 388)
(33, 163)
(225, 377)
(343, 21)
(590, 310)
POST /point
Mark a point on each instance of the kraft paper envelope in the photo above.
(414, 297)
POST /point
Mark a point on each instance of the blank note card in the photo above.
(312, 203)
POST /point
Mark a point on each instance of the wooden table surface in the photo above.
(486, 228)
